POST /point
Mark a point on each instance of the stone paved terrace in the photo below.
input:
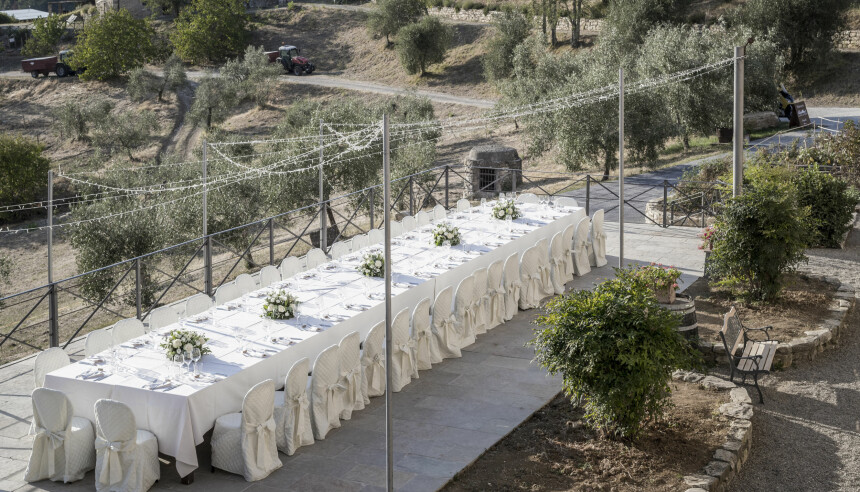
(443, 421)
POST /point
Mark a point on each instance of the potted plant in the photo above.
(662, 279)
(708, 235)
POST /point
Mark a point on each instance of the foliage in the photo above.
(372, 265)
(280, 305)
(252, 77)
(506, 208)
(7, 19)
(839, 152)
(422, 44)
(5, 272)
(830, 203)
(142, 82)
(73, 119)
(213, 100)
(113, 44)
(179, 341)
(125, 132)
(616, 349)
(512, 28)
(210, 30)
(445, 234)
(23, 174)
(165, 6)
(46, 35)
(803, 29)
(629, 21)
(656, 276)
(389, 16)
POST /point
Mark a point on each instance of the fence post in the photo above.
(53, 316)
(446, 187)
(207, 265)
(587, 194)
(513, 181)
(323, 227)
(271, 241)
(411, 198)
(137, 286)
(665, 201)
(370, 201)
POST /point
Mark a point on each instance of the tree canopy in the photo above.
(422, 44)
(389, 16)
(46, 35)
(113, 44)
(210, 30)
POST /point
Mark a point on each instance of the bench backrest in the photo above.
(732, 331)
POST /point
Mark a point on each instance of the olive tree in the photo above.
(252, 76)
(422, 44)
(46, 35)
(24, 171)
(142, 82)
(73, 119)
(511, 29)
(213, 100)
(210, 30)
(125, 132)
(389, 16)
(113, 44)
(630, 20)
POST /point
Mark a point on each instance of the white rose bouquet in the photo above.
(178, 341)
(503, 208)
(372, 265)
(280, 305)
(446, 235)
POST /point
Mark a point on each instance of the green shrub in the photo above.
(422, 44)
(46, 35)
(389, 16)
(512, 28)
(830, 203)
(125, 132)
(141, 83)
(24, 172)
(73, 120)
(7, 19)
(210, 30)
(113, 44)
(616, 349)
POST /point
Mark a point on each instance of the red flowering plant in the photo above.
(659, 277)
(707, 236)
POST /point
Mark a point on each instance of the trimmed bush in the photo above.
(24, 172)
(422, 44)
(830, 203)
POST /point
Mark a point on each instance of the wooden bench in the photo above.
(756, 356)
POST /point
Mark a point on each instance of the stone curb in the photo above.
(813, 342)
(733, 453)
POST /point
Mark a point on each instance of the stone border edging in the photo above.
(813, 341)
(731, 455)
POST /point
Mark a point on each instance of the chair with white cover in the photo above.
(495, 294)
(597, 253)
(422, 218)
(528, 198)
(376, 236)
(269, 275)
(463, 205)
(360, 242)
(566, 201)
(245, 443)
(315, 258)
(531, 291)
(350, 374)
(373, 363)
(567, 245)
(292, 410)
(581, 265)
(196, 304)
(162, 316)
(443, 325)
(326, 392)
(439, 213)
(396, 228)
(97, 341)
(464, 312)
(226, 293)
(126, 329)
(290, 266)
(126, 457)
(63, 444)
(480, 301)
(426, 345)
(558, 268)
(513, 286)
(339, 249)
(49, 360)
(245, 283)
(402, 352)
(409, 223)
(544, 267)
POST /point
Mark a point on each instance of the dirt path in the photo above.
(183, 136)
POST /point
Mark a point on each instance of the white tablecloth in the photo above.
(332, 295)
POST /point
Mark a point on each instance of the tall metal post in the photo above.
(389, 437)
(621, 168)
(587, 194)
(138, 280)
(371, 200)
(738, 137)
(323, 217)
(52, 295)
(207, 244)
(665, 201)
(447, 206)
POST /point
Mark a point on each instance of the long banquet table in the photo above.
(334, 301)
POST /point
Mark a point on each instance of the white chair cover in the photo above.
(226, 293)
(269, 275)
(463, 205)
(566, 201)
(581, 265)
(360, 242)
(339, 249)
(495, 294)
(544, 267)
(197, 304)
(443, 325)
(245, 283)
(163, 316)
(464, 312)
(530, 278)
(439, 212)
(292, 410)
(373, 363)
(426, 345)
(567, 244)
(290, 266)
(513, 286)
(402, 352)
(126, 457)
(409, 223)
(126, 329)
(48, 360)
(97, 341)
(422, 218)
(480, 301)
(350, 374)
(376, 236)
(528, 198)
(62, 444)
(558, 269)
(396, 229)
(326, 392)
(597, 253)
(245, 443)
(314, 258)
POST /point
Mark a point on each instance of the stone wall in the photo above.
(848, 40)
(472, 15)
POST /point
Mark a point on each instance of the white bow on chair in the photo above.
(406, 350)
(352, 383)
(331, 411)
(376, 382)
(112, 468)
(56, 439)
(265, 432)
(301, 404)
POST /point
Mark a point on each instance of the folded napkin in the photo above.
(94, 374)
(160, 385)
(262, 354)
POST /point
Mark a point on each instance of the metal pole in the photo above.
(323, 225)
(738, 137)
(665, 200)
(621, 168)
(389, 437)
(137, 281)
(207, 244)
(447, 206)
(587, 194)
(271, 241)
(54, 335)
(371, 200)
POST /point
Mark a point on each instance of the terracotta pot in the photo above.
(665, 296)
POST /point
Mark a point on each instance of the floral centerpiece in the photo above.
(280, 305)
(446, 235)
(504, 208)
(707, 237)
(372, 265)
(662, 279)
(178, 341)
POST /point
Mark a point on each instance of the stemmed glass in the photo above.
(212, 311)
(509, 222)
(195, 356)
(239, 335)
(483, 205)
(178, 361)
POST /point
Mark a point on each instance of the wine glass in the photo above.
(196, 354)
(212, 311)
(483, 205)
(509, 223)
(178, 360)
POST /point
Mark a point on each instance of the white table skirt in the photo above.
(181, 416)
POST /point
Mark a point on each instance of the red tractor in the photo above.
(45, 65)
(289, 57)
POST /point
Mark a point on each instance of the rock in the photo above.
(727, 456)
(733, 446)
(740, 424)
(737, 434)
(712, 382)
(700, 481)
(845, 303)
(824, 335)
(696, 489)
(740, 395)
(760, 120)
(737, 410)
(718, 469)
(803, 344)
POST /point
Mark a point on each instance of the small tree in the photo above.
(422, 44)
(46, 35)
(174, 77)
(113, 44)
(24, 170)
(830, 202)
(629, 21)
(165, 6)
(252, 76)
(390, 16)
(142, 82)
(125, 132)
(7, 19)
(210, 30)
(213, 101)
(74, 120)
(512, 28)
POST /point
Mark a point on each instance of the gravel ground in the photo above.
(807, 434)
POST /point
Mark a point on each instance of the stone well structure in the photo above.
(492, 170)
